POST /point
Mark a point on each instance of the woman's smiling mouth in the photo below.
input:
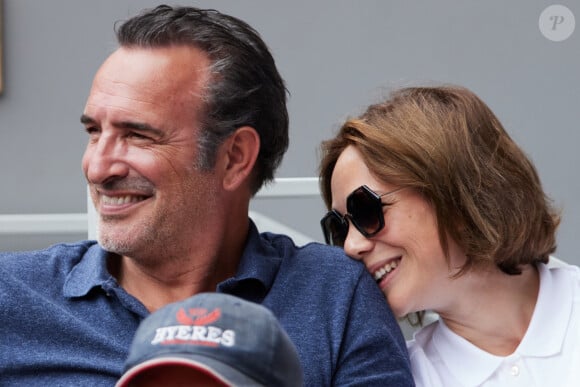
(382, 271)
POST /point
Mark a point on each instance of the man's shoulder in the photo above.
(320, 271)
(55, 257)
(59, 249)
(320, 292)
(285, 245)
(326, 279)
(314, 255)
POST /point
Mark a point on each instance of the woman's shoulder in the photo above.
(562, 271)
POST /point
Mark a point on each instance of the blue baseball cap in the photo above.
(237, 342)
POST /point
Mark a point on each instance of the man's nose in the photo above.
(104, 159)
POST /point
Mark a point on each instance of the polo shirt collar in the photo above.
(258, 267)
(552, 314)
(471, 366)
(90, 272)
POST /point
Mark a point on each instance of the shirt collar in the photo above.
(472, 366)
(91, 271)
(257, 270)
(469, 364)
(551, 314)
(258, 267)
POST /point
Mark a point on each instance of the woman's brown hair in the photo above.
(447, 144)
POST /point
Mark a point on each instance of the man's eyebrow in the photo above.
(87, 120)
(139, 126)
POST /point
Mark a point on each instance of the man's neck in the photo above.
(158, 285)
(165, 273)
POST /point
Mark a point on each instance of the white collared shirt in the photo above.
(548, 355)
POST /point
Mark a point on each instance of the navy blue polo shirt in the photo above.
(65, 320)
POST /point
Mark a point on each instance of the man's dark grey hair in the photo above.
(245, 88)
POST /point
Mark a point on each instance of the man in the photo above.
(186, 121)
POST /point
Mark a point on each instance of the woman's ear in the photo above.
(240, 151)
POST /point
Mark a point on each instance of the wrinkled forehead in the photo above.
(174, 70)
(165, 80)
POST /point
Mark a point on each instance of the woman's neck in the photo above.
(494, 309)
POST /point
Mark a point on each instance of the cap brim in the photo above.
(220, 371)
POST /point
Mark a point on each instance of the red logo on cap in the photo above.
(197, 316)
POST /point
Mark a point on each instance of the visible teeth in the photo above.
(118, 200)
(379, 274)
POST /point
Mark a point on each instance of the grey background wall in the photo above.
(336, 56)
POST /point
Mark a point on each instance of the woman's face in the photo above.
(405, 257)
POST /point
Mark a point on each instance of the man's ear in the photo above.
(240, 151)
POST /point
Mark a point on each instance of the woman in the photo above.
(448, 214)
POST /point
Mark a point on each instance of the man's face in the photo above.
(142, 120)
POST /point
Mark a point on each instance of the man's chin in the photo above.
(115, 247)
(115, 242)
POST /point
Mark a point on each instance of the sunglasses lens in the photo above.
(334, 228)
(366, 211)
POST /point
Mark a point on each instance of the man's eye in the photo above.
(91, 129)
(93, 132)
(137, 136)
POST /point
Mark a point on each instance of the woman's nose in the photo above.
(356, 244)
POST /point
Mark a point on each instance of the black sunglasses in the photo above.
(365, 211)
